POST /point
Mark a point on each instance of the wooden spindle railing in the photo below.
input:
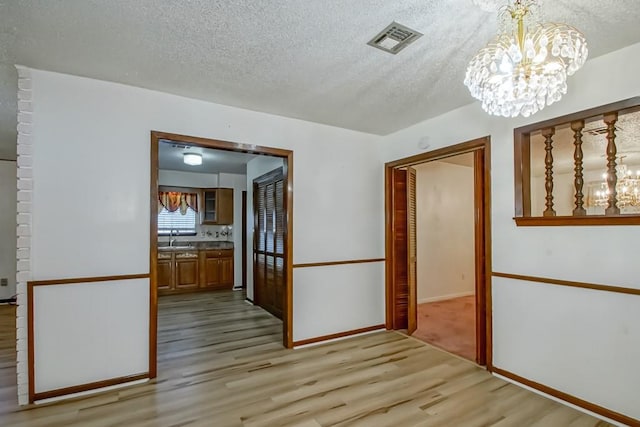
(576, 127)
(603, 201)
(612, 178)
(548, 163)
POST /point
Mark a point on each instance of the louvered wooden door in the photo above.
(400, 256)
(268, 249)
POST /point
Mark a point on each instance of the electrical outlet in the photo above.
(4, 282)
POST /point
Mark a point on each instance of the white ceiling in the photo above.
(460, 160)
(297, 58)
(170, 156)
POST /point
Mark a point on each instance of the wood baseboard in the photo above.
(569, 398)
(338, 335)
(86, 387)
(445, 297)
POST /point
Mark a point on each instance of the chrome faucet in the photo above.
(172, 237)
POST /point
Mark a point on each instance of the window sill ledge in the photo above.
(551, 221)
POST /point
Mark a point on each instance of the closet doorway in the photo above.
(403, 249)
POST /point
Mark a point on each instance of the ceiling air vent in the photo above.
(394, 38)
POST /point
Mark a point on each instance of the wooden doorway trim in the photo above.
(481, 148)
(244, 239)
(287, 155)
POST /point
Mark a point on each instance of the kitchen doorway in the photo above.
(407, 233)
(286, 159)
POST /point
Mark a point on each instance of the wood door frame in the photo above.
(244, 239)
(287, 155)
(481, 148)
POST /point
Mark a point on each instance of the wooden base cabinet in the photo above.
(165, 272)
(187, 276)
(216, 268)
(226, 271)
(194, 271)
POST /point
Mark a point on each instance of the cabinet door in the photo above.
(186, 271)
(209, 206)
(225, 206)
(226, 272)
(165, 273)
(212, 272)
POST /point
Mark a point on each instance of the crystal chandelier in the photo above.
(526, 66)
(627, 189)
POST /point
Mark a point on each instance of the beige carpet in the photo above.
(450, 325)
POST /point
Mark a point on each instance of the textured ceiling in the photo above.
(170, 157)
(296, 58)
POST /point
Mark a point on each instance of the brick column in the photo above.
(25, 187)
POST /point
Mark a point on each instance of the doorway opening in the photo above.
(199, 258)
(438, 248)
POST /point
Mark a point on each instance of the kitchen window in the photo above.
(177, 211)
(174, 223)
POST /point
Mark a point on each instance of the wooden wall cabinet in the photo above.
(216, 206)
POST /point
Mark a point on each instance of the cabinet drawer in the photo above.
(218, 253)
(164, 255)
(186, 255)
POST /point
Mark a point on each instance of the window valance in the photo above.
(174, 200)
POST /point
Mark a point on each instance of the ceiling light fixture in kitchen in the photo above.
(192, 159)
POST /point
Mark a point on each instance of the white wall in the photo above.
(8, 193)
(555, 319)
(187, 179)
(65, 317)
(445, 231)
(318, 316)
(255, 168)
(338, 207)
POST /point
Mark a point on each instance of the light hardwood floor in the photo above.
(8, 392)
(221, 364)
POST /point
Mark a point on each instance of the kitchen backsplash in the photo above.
(205, 233)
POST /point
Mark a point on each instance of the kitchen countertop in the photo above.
(194, 246)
